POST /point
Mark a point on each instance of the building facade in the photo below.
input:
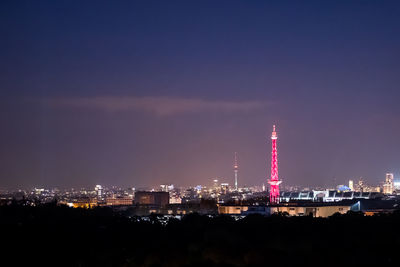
(152, 198)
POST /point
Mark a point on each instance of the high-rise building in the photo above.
(274, 181)
(396, 184)
(215, 184)
(388, 186)
(166, 187)
(224, 188)
(99, 191)
(360, 185)
(351, 185)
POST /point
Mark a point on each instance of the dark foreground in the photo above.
(61, 236)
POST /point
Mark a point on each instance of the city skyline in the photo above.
(143, 93)
(199, 133)
(346, 185)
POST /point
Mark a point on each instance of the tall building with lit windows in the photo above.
(388, 186)
(99, 192)
(351, 185)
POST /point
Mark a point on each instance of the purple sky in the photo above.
(138, 93)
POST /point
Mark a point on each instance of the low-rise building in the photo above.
(152, 198)
(119, 201)
(316, 209)
(87, 203)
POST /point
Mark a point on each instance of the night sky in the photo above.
(138, 93)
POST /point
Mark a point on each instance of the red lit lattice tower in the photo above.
(274, 181)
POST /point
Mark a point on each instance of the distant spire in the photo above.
(236, 162)
(274, 135)
(235, 168)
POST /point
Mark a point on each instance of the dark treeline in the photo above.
(52, 235)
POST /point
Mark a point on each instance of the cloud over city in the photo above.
(161, 106)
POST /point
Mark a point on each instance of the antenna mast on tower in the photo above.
(235, 169)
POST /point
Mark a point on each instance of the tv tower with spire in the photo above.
(235, 169)
(274, 181)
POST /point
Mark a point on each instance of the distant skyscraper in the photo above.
(360, 185)
(235, 168)
(166, 187)
(396, 184)
(224, 188)
(388, 186)
(351, 185)
(274, 181)
(215, 184)
(99, 190)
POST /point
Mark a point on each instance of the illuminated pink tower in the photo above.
(274, 182)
